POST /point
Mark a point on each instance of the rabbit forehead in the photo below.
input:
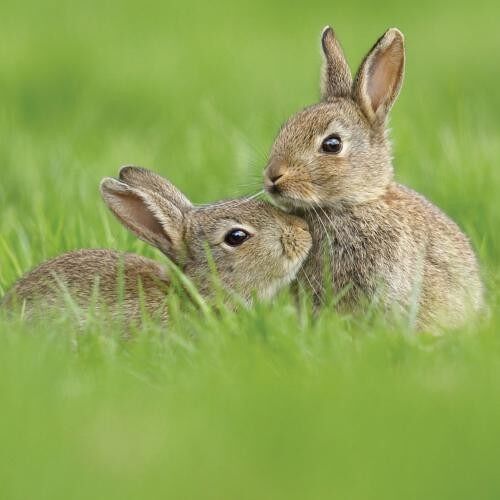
(249, 213)
(303, 128)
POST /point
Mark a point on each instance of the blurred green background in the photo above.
(268, 403)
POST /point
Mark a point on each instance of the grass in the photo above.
(266, 403)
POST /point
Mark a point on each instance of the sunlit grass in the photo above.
(268, 402)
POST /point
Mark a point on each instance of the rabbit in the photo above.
(374, 241)
(256, 249)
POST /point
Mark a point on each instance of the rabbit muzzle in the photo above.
(273, 175)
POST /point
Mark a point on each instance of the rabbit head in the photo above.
(337, 151)
(255, 247)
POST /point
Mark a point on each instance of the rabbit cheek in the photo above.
(327, 178)
(295, 243)
(298, 186)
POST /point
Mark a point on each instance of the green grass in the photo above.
(267, 403)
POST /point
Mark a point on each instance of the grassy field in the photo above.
(267, 403)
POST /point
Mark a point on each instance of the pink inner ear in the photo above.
(383, 75)
(136, 215)
(141, 216)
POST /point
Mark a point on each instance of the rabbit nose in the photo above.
(274, 173)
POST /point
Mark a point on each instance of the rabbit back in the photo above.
(122, 283)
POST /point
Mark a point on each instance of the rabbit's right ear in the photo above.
(151, 217)
(336, 78)
(380, 76)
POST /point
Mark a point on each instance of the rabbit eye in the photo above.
(236, 237)
(332, 144)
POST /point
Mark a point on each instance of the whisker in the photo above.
(249, 185)
(327, 234)
(313, 289)
(232, 203)
(256, 195)
(326, 215)
(309, 281)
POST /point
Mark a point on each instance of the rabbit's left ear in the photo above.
(336, 78)
(154, 218)
(146, 180)
(380, 76)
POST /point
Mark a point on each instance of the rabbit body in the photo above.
(399, 250)
(331, 163)
(254, 248)
(125, 284)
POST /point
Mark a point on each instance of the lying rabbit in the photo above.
(255, 248)
(331, 163)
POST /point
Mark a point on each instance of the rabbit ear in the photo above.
(154, 219)
(337, 79)
(141, 178)
(380, 76)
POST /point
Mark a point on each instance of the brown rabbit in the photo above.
(331, 163)
(255, 249)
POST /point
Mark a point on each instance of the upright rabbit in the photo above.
(256, 249)
(331, 163)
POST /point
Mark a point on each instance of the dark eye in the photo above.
(332, 144)
(236, 237)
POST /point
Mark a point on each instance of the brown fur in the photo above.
(120, 283)
(189, 235)
(383, 241)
